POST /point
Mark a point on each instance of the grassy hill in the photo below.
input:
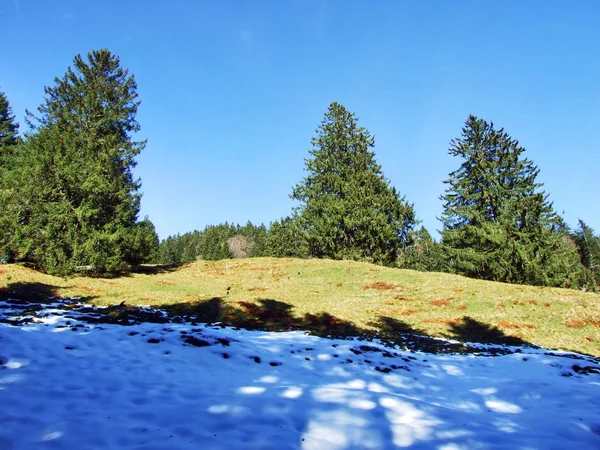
(346, 296)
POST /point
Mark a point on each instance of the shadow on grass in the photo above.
(148, 269)
(34, 293)
(24, 302)
(155, 269)
(265, 314)
(471, 330)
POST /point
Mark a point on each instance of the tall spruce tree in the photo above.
(348, 208)
(80, 199)
(497, 222)
(588, 245)
(8, 127)
(8, 205)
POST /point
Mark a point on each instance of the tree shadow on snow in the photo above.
(23, 302)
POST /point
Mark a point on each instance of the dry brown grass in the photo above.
(575, 323)
(89, 289)
(382, 286)
(439, 303)
(396, 312)
(456, 320)
(516, 326)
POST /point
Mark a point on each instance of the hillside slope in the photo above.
(352, 296)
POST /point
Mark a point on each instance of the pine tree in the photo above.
(8, 204)
(349, 210)
(8, 127)
(497, 222)
(170, 250)
(423, 253)
(213, 244)
(286, 239)
(80, 200)
(588, 245)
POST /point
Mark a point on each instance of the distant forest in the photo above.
(70, 203)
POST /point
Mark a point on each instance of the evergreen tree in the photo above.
(170, 251)
(213, 245)
(588, 245)
(423, 253)
(80, 200)
(256, 236)
(497, 223)
(8, 127)
(191, 243)
(286, 239)
(349, 210)
(143, 243)
(8, 204)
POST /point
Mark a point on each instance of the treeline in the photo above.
(223, 241)
(70, 203)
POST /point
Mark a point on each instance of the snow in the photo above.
(68, 383)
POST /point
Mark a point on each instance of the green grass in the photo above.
(359, 296)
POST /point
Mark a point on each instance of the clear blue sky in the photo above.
(232, 91)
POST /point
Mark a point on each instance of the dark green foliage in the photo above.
(286, 239)
(170, 250)
(215, 242)
(254, 239)
(78, 199)
(143, 243)
(8, 203)
(349, 210)
(258, 235)
(190, 243)
(423, 253)
(213, 245)
(498, 224)
(8, 127)
(588, 246)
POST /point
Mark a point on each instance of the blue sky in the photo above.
(232, 91)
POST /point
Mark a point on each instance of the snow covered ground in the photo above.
(69, 384)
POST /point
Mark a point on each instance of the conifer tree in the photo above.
(422, 253)
(348, 208)
(286, 239)
(8, 127)
(8, 204)
(497, 222)
(588, 245)
(80, 199)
